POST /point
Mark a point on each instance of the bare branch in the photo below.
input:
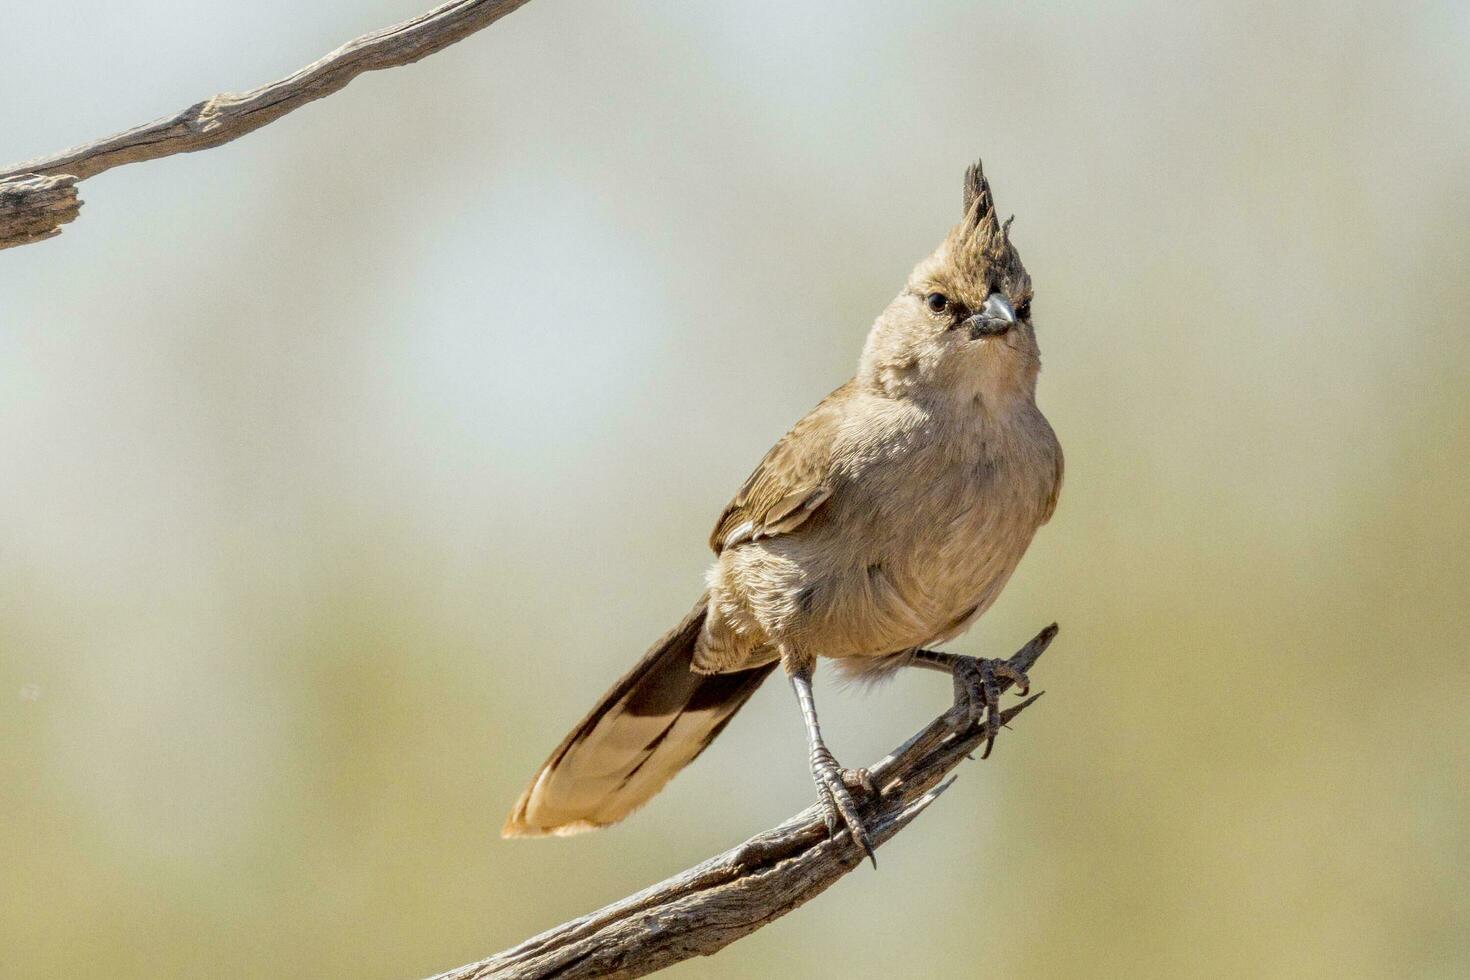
(231, 115)
(32, 206)
(699, 911)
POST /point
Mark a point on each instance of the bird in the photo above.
(879, 527)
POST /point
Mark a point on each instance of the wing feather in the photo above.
(791, 483)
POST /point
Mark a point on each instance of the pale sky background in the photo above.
(345, 465)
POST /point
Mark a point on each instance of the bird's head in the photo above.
(962, 325)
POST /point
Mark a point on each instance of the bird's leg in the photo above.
(834, 783)
(976, 686)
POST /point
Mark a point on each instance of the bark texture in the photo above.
(34, 206)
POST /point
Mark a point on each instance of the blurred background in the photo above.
(347, 464)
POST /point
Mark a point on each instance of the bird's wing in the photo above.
(791, 483)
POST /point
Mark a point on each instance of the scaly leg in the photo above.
(976, 686)
(834, 783)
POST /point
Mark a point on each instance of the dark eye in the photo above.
(1023, 312)
(936, 302)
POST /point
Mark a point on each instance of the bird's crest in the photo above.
(980, 231)
(981, 241)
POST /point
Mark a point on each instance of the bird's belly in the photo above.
(894, 594)
(961, 578)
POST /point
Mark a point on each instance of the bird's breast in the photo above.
(970, 507)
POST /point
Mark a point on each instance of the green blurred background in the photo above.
(345, 465)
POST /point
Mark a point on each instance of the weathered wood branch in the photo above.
(700, 911)
(27, 215)
(33, 206)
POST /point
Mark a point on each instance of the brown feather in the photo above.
(790, 484)
(652, 723)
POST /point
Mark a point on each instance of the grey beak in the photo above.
(994, 318)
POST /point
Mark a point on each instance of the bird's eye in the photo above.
(1023, 312)
(936, 302)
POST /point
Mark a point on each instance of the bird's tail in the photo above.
(656, 719)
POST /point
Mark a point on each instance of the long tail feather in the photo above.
(653, 722)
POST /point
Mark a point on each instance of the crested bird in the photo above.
(880, 526)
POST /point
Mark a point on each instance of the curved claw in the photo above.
(1004, 669)
(836, 799)
(989, 742)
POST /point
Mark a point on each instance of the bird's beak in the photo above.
(994, 318)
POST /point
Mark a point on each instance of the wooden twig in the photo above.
(231, 115)
(714, 903)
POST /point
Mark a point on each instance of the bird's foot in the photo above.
(835, 786)
(977, 688)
